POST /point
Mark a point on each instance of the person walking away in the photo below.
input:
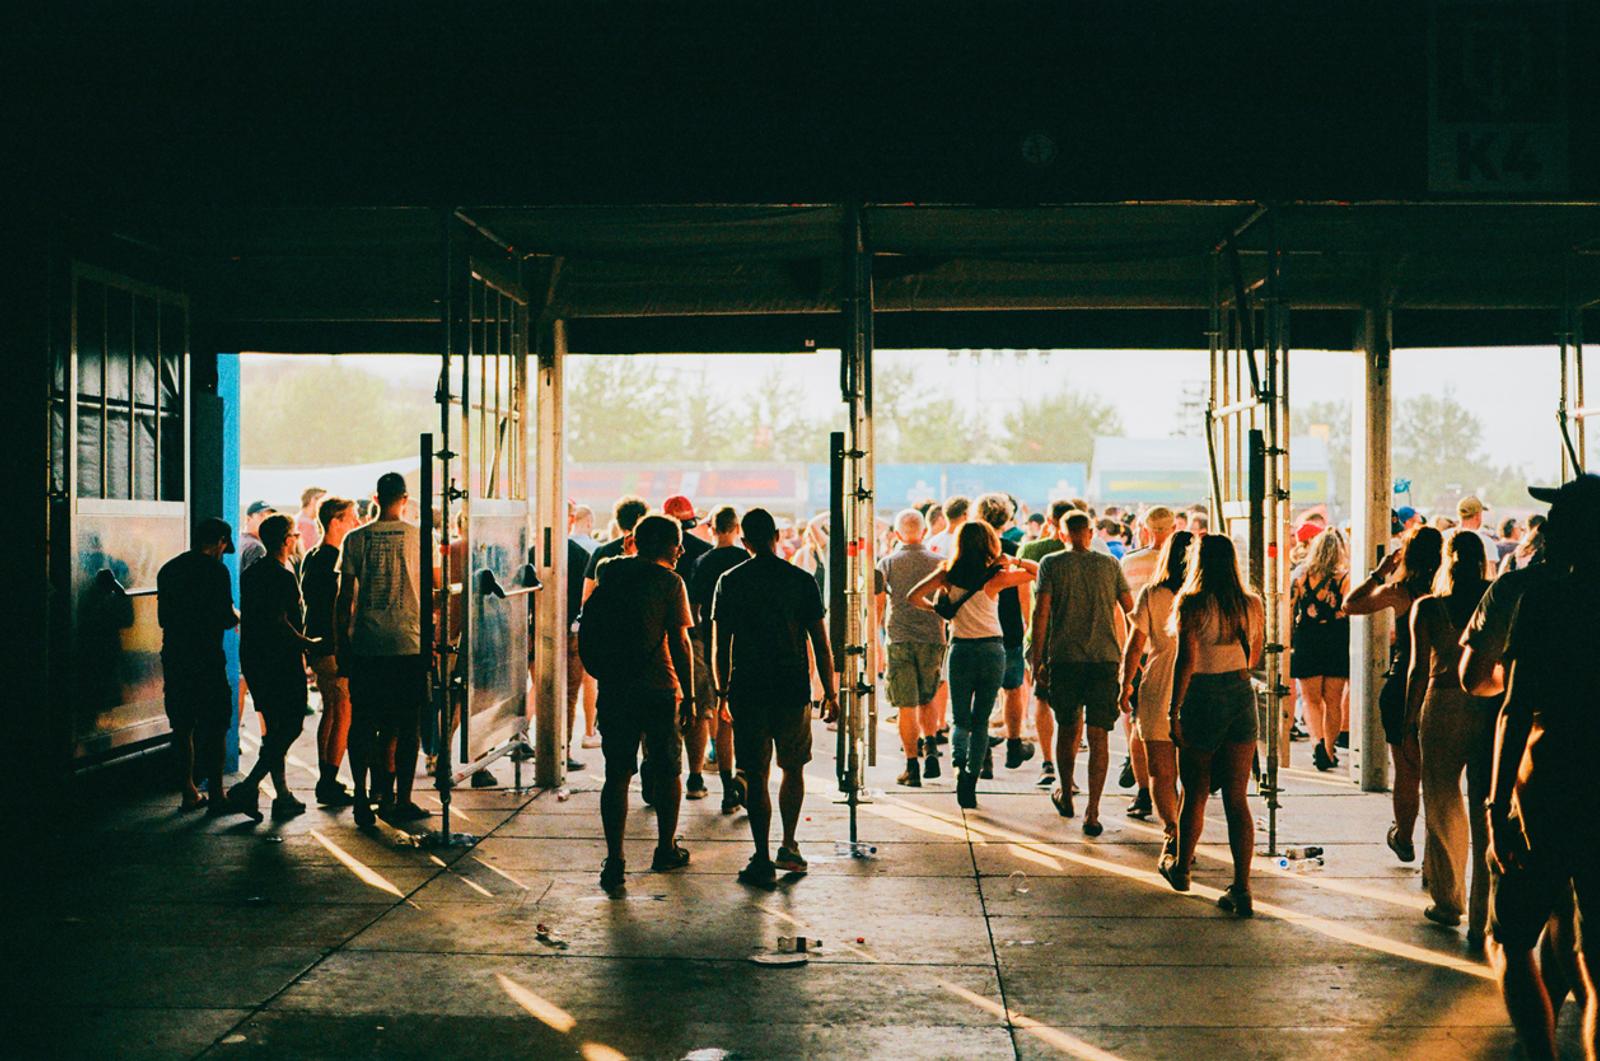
(577, 678)
(272, 648)
(629, 510)
(1013, 603)
(1220, 628)
(969, 585)
(380, 651)
(583, 528)
(1400, 579)
(700, 733)
(1544, 800)
(764, 614)
(194, 605)
(943, 541)
(1320, 641)
(1051, 540)
(307, 523)
(1453, 734)
(1469, 513)
(319, 586)
(727, 554)
(1075, 637)
(634, 636)
(250, 547)
(1151, 646)
(916, 647)
(1139, 567)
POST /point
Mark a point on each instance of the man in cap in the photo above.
(379, 633)
(680, 508)
(250, 547)
(1544, 800)
(1470, 512)
(194, 605)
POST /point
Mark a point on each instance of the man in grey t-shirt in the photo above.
(916, 645)
(1075, 638)
(379, 630)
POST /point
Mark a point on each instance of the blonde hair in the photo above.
(1326, 559)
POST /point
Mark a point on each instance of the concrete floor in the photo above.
(1001, 932)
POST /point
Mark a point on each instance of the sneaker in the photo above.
(574, 765)
(246, 800)
(669, 858)
(1092, 828)
(1440, 916)
(333, 794)
(790, 860)
(1178, 878)
(930, 765)
(996, 740)
(363, 816)
(1047, 775)
(1126, 778)
(1296, 733)
(733, 794)
(942, 737)
(1342, 740)
(286, 806)
(404, 812)
(987, 770)
(484, 779)
(1236, 901)
(1320, 758)
(759, 872)
(613, 871)
(1403, 850)
(1141, 807)
(696, 789)
(590, 740)
(912, 777)
(1018, 751)
(967, 790)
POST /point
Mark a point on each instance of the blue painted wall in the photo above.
(228, 391)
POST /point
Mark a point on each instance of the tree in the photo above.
(1058, 427)
(619, 409)
(775, 425)
(1438, 446)
(1334, 416)
(302, 414)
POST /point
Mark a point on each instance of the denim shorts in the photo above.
(1218, 709)
(1016, 667)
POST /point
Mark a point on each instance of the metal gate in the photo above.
(1572, 414)
(1247, 442)
(119, 489)
(483, 521)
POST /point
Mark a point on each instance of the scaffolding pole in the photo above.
(851, 544)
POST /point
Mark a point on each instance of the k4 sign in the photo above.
(1497, 117)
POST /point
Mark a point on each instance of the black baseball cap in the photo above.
(258, 507)
(391, 485)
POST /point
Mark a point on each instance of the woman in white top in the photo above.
(1219, 626)
(1150, 642)
(972, 581)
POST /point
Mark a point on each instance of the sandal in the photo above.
(1236, 901)
(1403, 849)
(1062, 801)
(1169, 873)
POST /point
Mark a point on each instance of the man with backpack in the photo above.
(634, 639)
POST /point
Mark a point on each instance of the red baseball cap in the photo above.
(681, 509)
(1306, 532)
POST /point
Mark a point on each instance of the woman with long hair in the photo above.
(1454, 732)
(970, 583)
(1148, 632)
(1320, 642)
(1220, 627)
(1400, 579)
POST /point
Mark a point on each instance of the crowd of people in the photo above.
(704, 639)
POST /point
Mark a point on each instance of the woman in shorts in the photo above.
(1149, 640)
(1219, 627)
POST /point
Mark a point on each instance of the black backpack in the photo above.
(608, 631)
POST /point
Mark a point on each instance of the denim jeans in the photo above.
(976, 670)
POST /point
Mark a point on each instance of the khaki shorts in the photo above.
(705, 701)
(334, 688)
(914, 672)
(762, 730)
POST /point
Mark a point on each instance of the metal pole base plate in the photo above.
(438, 839)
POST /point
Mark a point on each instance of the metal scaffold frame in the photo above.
(1572, 414)
(852, 548)
(1247, 443)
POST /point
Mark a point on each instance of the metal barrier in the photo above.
(106, 581)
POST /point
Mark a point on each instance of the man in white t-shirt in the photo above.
(943, 544)
(380, 650)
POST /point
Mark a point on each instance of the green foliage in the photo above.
(319, 413)
(1057, 427)
(1438, 446)
(1335, 416)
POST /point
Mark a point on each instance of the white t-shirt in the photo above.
(943, 543)
(1151, 613)
(1139, 567)
(383, 558)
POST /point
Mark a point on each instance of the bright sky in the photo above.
(1512, 390)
